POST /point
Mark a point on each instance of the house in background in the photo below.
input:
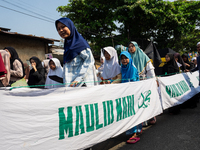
(26, 45)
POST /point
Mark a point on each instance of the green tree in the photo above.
(166, 21)
(172, 24)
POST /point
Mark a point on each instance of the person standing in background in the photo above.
(6, 59)
(144, 66)
(180, 62)
(17, 71)
(112, 70)
(37, 73)
(189, 65)
(198, 61)
(55, 69)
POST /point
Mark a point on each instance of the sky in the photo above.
(24, 24)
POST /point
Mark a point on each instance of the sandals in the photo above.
(152, 121)
(133, 140)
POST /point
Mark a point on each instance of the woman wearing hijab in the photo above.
(78, 60)
(55, 69)
(130, 74)
(144, 66)
(37, 73)
(189, 65)
(179, 62)
(112, 70)
(141, 61)
(128, 69)
(171, 68)
(16, 65)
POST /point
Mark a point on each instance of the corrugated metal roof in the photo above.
(4, 29)
(48, 40)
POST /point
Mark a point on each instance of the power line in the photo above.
(27, 14)
(28, 10)
(52, 21)
(20, 2)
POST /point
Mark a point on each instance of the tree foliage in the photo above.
(171, 24)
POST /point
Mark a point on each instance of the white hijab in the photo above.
(111, 67)
(58, 71)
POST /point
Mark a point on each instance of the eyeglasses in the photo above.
(198, 46)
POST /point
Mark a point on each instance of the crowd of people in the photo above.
(79, 70)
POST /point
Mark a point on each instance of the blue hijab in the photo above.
(129, 71)
(75, 43)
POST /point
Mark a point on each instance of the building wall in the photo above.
(25, 47)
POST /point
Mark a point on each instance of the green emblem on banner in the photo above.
(144, 99)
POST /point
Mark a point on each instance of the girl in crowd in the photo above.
(111, 71)
(171, 68)
(189, 65)
(143, 65)
(78, 59)
(130, 74)
(16, 65)
(55, 69)
(141, 61)
(37, 73)
(180, 62)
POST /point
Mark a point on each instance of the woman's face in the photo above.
(52, 65)
(63, 30)
(33, 63)
(131, 48)
(107, 55)
(167, 58)
(124, 60)
(184, 58)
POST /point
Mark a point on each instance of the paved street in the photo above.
(171, 132)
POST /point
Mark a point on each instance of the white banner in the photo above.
(175, 89)
(194, 79)
(74, 118)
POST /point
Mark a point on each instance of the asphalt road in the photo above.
(171, 132)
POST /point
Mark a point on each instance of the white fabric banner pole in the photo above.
(74, 118)
(175, 89)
